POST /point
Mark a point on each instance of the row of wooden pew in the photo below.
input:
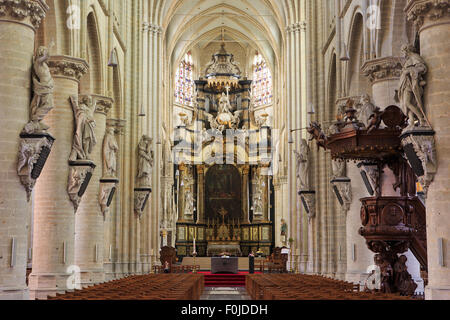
(307, 287)
(177, 269)
(143, 287)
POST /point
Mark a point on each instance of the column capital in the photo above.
(427, 12)
(381, 69)
(19, 10)
(296, 27)
(68, 67)
(117, 124)
(103, 103)
(150, 27)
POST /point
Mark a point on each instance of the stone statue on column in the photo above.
(110, 149)
(189, 203)
(412, 83)
(365, 110)
(303, 166)
(84, 138)
(145, 164)
(43, 87)
(338, 168)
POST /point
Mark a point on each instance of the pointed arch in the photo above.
(92, 82)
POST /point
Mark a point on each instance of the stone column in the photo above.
(89, 220)
(432, 18)
(54, 214)
(359, 257)
(245, 194)
(18, 23)
(201, 194)
(383, 74)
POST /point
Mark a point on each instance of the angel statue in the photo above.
(84, 139)
(412, 83)
(145, 164)
(43, 87)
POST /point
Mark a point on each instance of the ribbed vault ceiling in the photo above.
(259, 24)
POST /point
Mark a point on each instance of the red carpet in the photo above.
(224, 280)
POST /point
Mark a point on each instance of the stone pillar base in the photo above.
(89, 278)
(356, 277)
(44, 285)
(18, 293)
(435, 293)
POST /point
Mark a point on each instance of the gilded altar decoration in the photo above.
(223, 154)
(222, 70)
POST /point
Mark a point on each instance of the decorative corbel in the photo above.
(420, 151)
(309, 203)
(342, 187)
(106, 195)
(34, 150)
(370, 173)
(141, 196)
(80, 175)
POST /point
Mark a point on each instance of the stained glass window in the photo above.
(262, 82)
(184, 81)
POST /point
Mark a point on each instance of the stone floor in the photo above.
(225, 294)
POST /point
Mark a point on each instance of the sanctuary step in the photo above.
(224, 280)
(205, 263)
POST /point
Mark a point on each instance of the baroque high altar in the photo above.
(223, 159)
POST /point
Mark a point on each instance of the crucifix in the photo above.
(227, 87)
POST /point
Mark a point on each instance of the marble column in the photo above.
(89, 220)
(245, 195)
(432, 19)
(201, 194)
(54, 214)
(18, 23)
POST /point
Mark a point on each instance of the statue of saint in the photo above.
(411, 86)
(110, 149)
(303, 166)
(258, 202)
(84, 139)
(145, 164)
(43, 86)
(224, 104)
(284, 230)
(189, 203)
(338, 168)
(366, 110)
